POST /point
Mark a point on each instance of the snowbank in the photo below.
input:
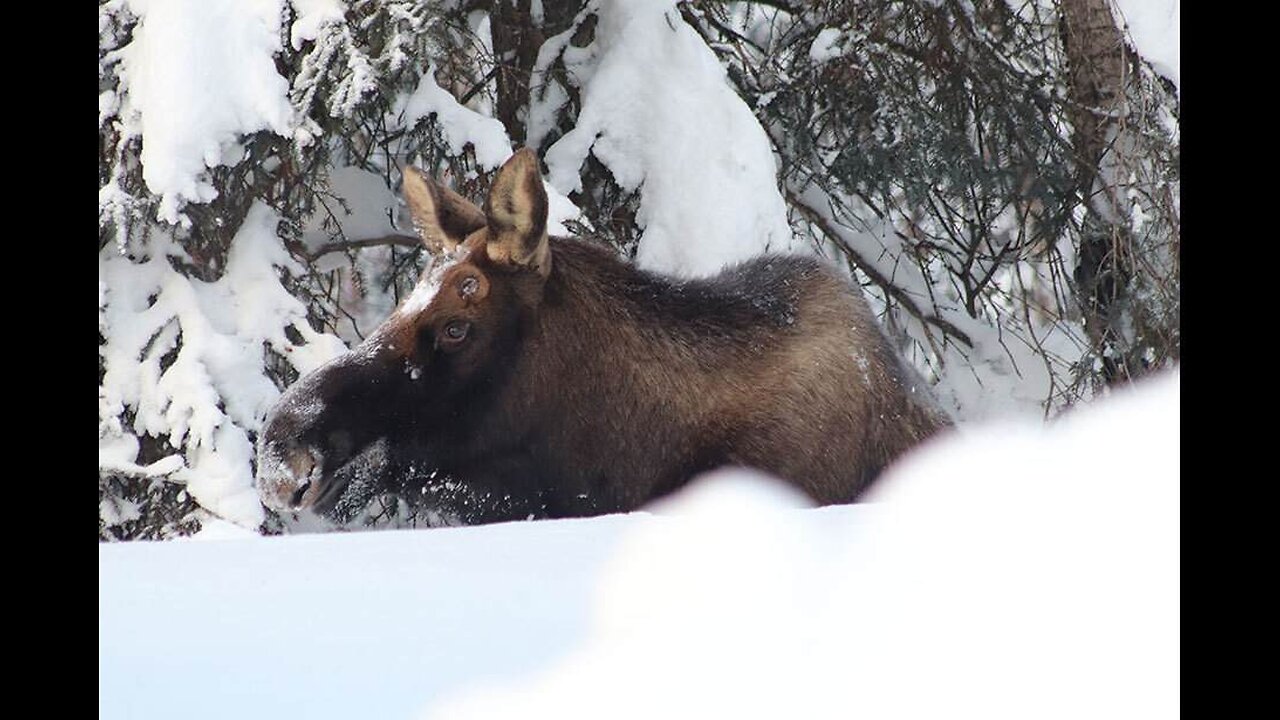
(1012, 571)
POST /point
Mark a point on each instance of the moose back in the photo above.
(536, 376)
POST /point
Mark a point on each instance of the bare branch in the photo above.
(344, 245)
(813, 216)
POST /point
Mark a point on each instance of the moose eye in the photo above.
(468, 286)
(456, 330)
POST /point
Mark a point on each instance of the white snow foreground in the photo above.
(1008, 572)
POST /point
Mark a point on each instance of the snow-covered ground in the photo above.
(1011, 571)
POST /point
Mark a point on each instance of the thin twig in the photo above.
(885, 284)
(344, 245)
(476, 88)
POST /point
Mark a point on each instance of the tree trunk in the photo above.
(1096, 60)
(517, 38)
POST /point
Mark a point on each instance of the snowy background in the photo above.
(1016, 569)
(250, 227)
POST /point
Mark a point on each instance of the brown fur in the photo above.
(585, 385)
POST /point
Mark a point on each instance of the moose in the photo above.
(531, 376)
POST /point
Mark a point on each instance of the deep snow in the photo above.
(1009, 571)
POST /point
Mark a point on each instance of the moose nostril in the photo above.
(288, 473)
(295, 500)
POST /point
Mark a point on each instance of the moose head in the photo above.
(531, 376)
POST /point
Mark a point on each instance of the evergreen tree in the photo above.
(1002, 179)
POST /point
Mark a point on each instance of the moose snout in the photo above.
(288, 475)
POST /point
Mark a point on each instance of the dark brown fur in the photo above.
(585, 385)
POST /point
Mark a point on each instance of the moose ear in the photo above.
(517, 213)
(442, 217)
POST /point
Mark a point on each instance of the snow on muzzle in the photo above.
(289, 466)
(300, 451)
(307, 441)
(296, 476)
(289, 476)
